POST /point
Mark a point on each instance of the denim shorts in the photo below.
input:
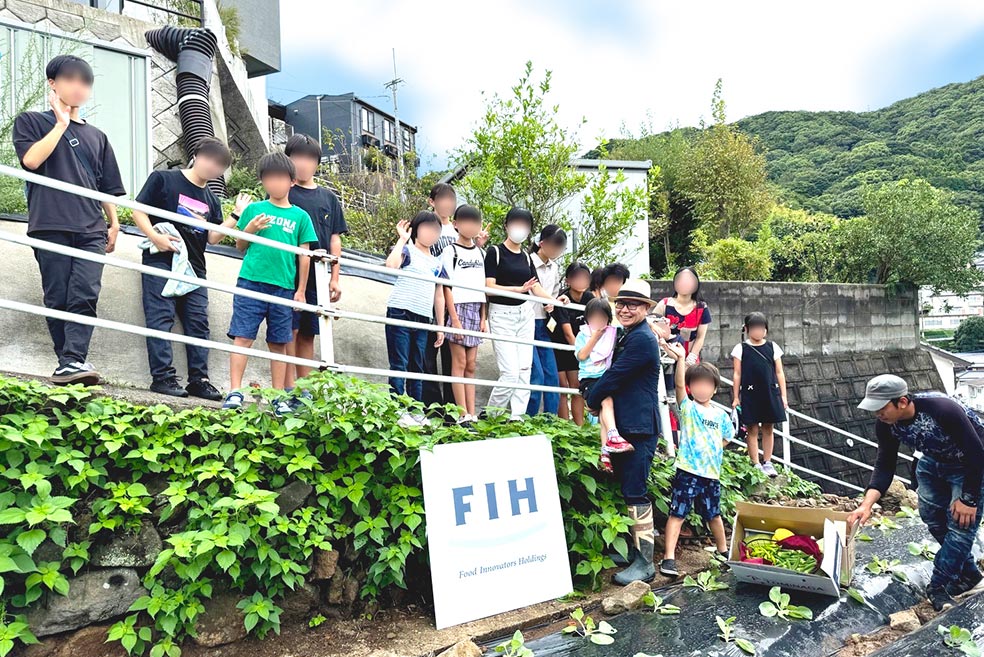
(693, 492)
(304, 322)
(249, 313)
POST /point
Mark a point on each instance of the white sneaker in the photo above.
(407, 420)
(769, 470)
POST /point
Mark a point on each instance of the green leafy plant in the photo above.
(778, 606)
(726, 633)
(879, 566)
(959, 638)
(705, 581)
(861, 536)
(584, 626)
(660, 607)
(260, 613)
(856, 595)
(316, 621)
(13, 631)
(514, 647)
(906, 512)
(885, 524)
(923, 549)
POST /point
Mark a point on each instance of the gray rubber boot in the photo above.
(642, 567)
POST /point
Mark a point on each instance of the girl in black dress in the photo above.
(568, 323)
(760, 388)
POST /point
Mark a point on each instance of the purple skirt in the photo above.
(470, 316)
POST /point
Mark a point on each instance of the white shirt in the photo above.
(776, 350)
(448, 235)
(469, 268)
(548, 272)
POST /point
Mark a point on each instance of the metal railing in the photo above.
(788, 440)
(327, 312)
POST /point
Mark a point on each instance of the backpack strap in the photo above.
(454, 260)
(76, 147)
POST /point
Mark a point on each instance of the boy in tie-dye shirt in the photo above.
(704, 430)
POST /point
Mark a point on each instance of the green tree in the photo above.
(733, 259)
(609, 212)
(671, 217)
(519, 154)
(802, 244)
(969, 336)
(725, 177)
(913, 234)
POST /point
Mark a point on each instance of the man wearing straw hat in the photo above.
(633, 384)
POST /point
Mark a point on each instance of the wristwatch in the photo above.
(968, 499)
(234, 216)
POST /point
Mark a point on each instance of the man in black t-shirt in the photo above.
(184, 192)
(326, 214)
(59, 144)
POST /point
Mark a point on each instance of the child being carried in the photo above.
(594, 347)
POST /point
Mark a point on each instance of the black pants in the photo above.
(72, 286)
(160, 312)
(435, 392)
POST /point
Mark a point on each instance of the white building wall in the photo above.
(634, 249)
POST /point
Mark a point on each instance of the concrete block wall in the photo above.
(836, 337)
(808, 319)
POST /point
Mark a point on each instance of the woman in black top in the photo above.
(569, 322)
(509, 268)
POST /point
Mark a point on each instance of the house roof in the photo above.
(958, 360)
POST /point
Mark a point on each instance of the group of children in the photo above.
(296, 212)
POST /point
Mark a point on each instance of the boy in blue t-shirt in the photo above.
(271, 271)
(704, 431)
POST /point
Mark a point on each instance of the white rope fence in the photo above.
(322, 262)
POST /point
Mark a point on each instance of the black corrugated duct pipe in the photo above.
(193, 50)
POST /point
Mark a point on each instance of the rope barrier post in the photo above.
(326, 339)
(665, 428)
(787, 446)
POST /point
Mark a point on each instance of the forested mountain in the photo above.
(821, 159)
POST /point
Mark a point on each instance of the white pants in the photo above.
(514, 360)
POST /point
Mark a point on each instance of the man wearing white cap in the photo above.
(951, 439)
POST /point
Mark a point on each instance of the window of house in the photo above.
(120, 103)
(389, 131)
(367, 120)
(407, 140)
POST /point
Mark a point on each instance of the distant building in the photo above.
(945, 310)
(357, 128)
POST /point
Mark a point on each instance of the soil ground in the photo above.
(409, 632)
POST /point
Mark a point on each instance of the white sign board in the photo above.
(494, 527)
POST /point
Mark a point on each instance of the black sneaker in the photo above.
(939, 598)
(668, 567)
(168, 387)
(204, 389)
(965, 584)
(76, 372)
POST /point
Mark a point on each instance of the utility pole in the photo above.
(321, 138)
(392, 85)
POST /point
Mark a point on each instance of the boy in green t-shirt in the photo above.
(271, 271)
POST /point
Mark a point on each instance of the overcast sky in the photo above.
(625, 62)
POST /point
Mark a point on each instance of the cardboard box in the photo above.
(838, 542)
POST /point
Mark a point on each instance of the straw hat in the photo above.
(635, 289)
